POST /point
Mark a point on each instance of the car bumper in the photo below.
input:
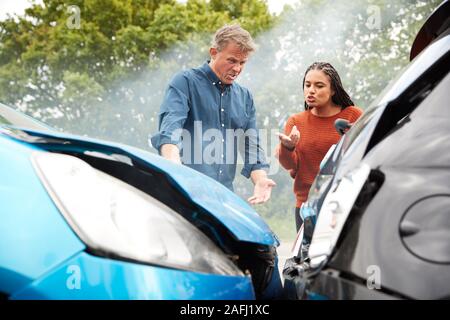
(89, 277)
(326, 285)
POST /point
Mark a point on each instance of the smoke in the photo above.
(133, 104)
(366, 41)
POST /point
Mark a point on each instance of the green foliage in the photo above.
(104, 41)
(79, 93)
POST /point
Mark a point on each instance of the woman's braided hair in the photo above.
(340, 97)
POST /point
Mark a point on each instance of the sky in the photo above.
(18, 6)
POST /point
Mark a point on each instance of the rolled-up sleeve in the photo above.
(173, 113)
(254, 155)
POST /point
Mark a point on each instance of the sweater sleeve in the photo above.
(288, 159)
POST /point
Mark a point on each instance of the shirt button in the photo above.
(222, 156)
(223, 125)
(222, 94)
(223, 140)
(222, 110)
(220, 171)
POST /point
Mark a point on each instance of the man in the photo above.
(205, 98)
(206, 104)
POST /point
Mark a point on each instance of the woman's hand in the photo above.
(290, 141)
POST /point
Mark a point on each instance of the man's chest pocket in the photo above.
(238, 118)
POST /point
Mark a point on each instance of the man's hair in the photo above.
(233, 33)
(341, 97)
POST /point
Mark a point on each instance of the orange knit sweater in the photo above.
(317, 135)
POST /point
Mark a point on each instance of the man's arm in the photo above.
(257, 175)
(255, 163)
(172, 115)
(250, 145)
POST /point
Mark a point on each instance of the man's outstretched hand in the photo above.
(263, 189)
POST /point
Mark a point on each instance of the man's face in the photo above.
(228, 63)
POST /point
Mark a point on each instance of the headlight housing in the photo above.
(334, 212)
(117, 219)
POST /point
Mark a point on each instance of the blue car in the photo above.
(89, 219)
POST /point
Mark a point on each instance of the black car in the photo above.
(379, 210)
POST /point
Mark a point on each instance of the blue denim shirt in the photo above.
(210, 123)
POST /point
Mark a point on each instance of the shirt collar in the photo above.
(212, 77)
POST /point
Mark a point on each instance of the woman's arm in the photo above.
(288, 156)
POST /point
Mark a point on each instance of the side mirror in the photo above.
(342, 126)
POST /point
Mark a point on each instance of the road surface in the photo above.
(284, 252)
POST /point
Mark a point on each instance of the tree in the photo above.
(57, 60)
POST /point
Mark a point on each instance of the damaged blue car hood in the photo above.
(232, 211)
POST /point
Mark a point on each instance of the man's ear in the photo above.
(213, 53)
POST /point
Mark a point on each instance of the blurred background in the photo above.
(100, 67)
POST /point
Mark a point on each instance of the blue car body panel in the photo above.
(232, 211)
(40, 254)
(236, 214)
(30, 222)
(89, 277)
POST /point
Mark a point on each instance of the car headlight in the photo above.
(113, 217)
(334, 212)
(318, 188)
(320, 184)
(309, 209)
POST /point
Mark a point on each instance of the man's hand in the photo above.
(171, 152)
(290, 141)
(263, 187)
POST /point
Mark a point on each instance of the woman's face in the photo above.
(317, 90)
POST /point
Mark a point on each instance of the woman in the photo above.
(309, 134)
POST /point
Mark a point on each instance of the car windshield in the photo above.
(11, 117)
(358, 127)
